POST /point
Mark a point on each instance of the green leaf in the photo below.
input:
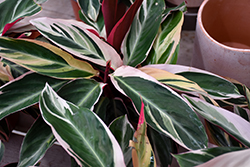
(142, 32)
(80, 132)
(82, 92)
(79, 39)
(230, 122)
(168, 112)
(232, 159)
(90, 8)
(197, 157)
(11, 10)
(44, 58)
(162, 146)
(216, 86)
(123, 132)
(24, 92)
(35, 144)
(168, 39)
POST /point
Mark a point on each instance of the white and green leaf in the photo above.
(90, 8)
(78, 39)
(11, 10)
(197, 157)
(44, 58)
(80, 131)
(142, 33)
(23, 92)
(37, 141)
(233, 124)
(216, 86)
(168, 112)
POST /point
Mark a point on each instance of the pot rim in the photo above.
(199, 23)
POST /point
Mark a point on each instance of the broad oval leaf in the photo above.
(79, 39)
(216, 86)
(82, 92)
(5, 72)
(168, 112)
(232, 159)
(80, 132)
(37, 141)
(197, 157)
(230, 122)
(44, 58)
(13, 10)
(142, 33)
(90, 8)
(24, 92)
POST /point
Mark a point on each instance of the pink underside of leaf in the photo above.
(9, 25)
(119, 31)
(94, 32)
(141, 118)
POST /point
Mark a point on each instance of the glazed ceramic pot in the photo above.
(190, 3)
(222, 42)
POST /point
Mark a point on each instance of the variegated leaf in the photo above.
(168, 112)
(12, 10)
(142, 33)
(166, 46)
(44, 58)
(79, 39)
(231, 123)
(24, 92)
(216, 86)
(37, 141)
(2, 148)
(80, 132)
(197, 157)
(82, 92)
(90, 8)
(123, 132)
(232, 159)
(175, 81)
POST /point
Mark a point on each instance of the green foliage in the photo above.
(91, 93)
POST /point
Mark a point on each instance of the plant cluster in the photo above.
(108, 90)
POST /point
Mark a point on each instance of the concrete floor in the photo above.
(56, 156)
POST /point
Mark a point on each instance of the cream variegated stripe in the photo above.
(169, 124)
(77, 38)
(67, 113)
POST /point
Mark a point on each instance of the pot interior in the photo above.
(228, 22)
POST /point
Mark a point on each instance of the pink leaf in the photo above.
(119, 31)
(141, 118)
(9, 25)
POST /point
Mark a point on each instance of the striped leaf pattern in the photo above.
(44, 58)
(197, 157)
(90, 8)
(15, 9)
(230, 122)
(79, 39)
(24, 92)
(80, 132)
(42, 142)
(216, 86)
(168, 112)
(166, 46)
(142, 33)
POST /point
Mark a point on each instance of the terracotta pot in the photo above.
(190, 3)
(76, 9)
(222, 42)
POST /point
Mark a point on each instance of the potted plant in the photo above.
(106, 89)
